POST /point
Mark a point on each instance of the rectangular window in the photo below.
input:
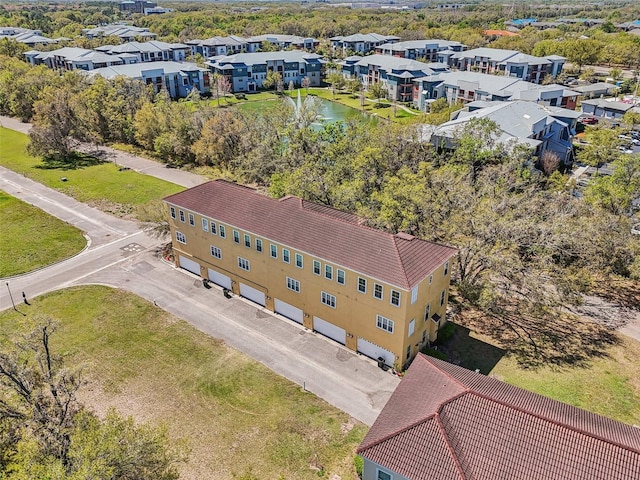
(181, 216)
(328, 272)
(274, 251)
(443, 295)
(412, 326)
(362, 285)
(424, 336)
(384, 323)
(205, 225)
(446, 268)
(247, 241)
(395, 298)
(243, 263)
(340, 277)
(299, 260)
(427, 312)
(213, 229)
(408, 352)
(192, 220)
(216, 252)
(430, 279)
(258, 245)
(293, 284)
(223, 232)
(377, 291)
(328, 299)
(286, 255)
(180, 237)
(172, 211)
(236, 236)
(383, 475)
(414, 294)
(316, 267)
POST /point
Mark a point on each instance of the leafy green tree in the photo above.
(377, 91)
(582, 51)
(337, 81)
(602, 146)
(616, 192)
(272, 80)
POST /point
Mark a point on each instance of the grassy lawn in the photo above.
(49, 239)
(608, 385)
(102, 185)
(237, 415)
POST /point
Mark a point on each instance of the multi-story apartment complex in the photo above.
(397, 74)
(377, 293)
(507, 62)
(231, 45)
(426, 50)
(126, 33)
(361, 43)
(247, 71)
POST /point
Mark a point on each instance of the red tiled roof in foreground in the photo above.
(321, 231)
(445, 422)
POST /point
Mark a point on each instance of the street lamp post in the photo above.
(11, 297)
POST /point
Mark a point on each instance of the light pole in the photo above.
(11, 297)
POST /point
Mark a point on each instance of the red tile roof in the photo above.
(446, 422)
(320, 231)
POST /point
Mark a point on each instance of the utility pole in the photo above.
(11, 297)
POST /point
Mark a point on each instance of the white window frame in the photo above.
(408, 352)
(388, 476)
(244, 264)
(412, 327)
(258, 245)
(215, 252)
(293, 284)
(328, 272)
(328, 299)
(247, 240)
(181, 238)
(286, 255)
(299, 260)
(430, 279)
(213, 228)
(223, 231)
(443, 297)
(360, 281)
(205, 225)
(317, 267)
(427, 312)
(384, 323)
(182, 217)
(192, 220)
(395, 301)
(446, 268)
(273, 249)
(341, 273)
(172, 212)
(236, 236)
(414, 294)
(375, 291)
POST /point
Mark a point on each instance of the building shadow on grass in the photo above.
(74, 161)
(470, 352)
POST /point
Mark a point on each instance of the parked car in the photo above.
(588, 120)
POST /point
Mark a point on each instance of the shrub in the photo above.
(445, 333)
(358, 461)
(434, 353)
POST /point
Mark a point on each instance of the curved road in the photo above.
(122, 255)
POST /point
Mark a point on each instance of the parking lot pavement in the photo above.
(341, 377)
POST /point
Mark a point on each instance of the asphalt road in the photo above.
(121, 254)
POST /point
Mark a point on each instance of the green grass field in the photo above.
(103, 185)
(32, 239)
(608, 385)
(237, 415)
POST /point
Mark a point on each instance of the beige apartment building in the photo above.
(377, 293)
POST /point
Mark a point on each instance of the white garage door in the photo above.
(330, 330)
(252, 294)
(374, 351)
(288, 310)
(188, 264)
(220, 279)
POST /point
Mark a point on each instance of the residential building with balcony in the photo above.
(152, 51)
(218, 46)
(247, 71)
(377, 293)
(425, 50)
(361, 43)
(126, 33)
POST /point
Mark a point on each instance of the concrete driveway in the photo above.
(121, 255)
